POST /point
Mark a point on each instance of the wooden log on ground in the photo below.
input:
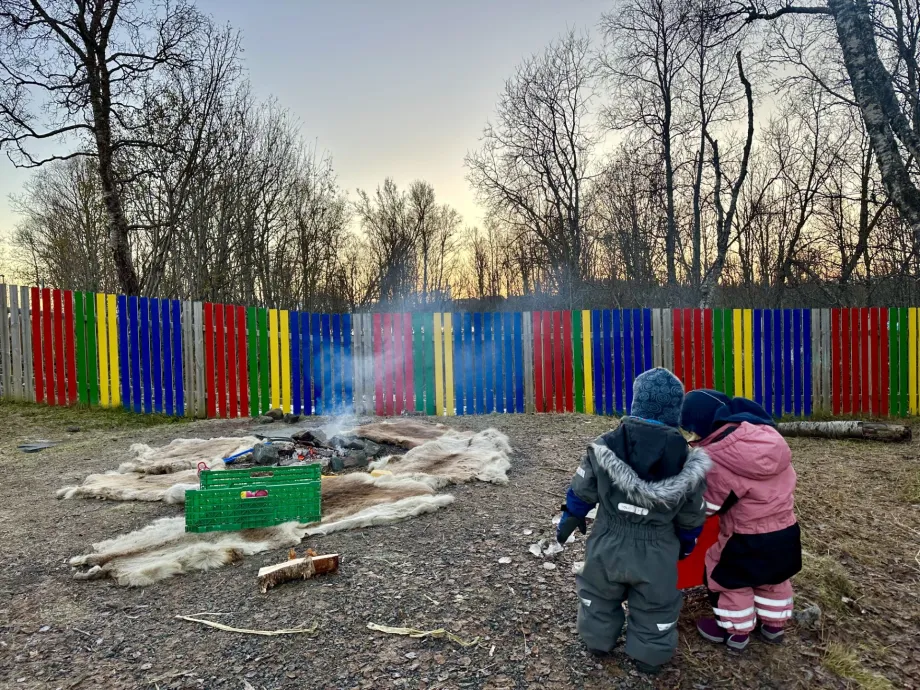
(866, 431)
(296, 569)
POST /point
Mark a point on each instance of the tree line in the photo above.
(694, 153)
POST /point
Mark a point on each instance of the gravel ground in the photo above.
(858, 505)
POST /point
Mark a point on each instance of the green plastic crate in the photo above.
(252, 506)
(259, 475)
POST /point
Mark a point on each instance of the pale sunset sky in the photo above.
(398, 88)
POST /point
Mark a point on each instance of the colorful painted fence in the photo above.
(63, 347)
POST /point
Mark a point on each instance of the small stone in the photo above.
(146, 667)
(276, 414)
(808, 617)
(264, 419)
(549, 566)
(44, 628)
(356, 458)
(528, 532)
(291, 418)
(373, 450)
(411, 655)
(337, 464)
(504, 560)
(72, 429)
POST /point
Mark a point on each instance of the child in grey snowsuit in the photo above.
(649, 485)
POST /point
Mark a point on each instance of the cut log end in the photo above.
(296, 569)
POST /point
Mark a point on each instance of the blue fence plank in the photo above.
(459, 366)
(806, 364)
(477, 361)
(155, 355)
(787, 361)
(337, 397)
(797, 362)
(144, 306)
(316, 349)
(306, 363)
(498, 345)
(597, 362)
(608, 372)
(628, 373)
(758, 357)
(637, 344)
(166, 336)
(767, 362)
(178, 380)
(518, 363)
(296, 377)
(488, 364)
(507, 362)
(617, 345)
(347, 365)
(468, 363)
(778, 362)
(124, 363)
(328, 405)
(135, 356)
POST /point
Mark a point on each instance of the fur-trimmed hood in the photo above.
(664, 493)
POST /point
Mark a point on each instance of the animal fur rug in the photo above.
(456, 457)
(133, 486)
(403, 433)
(163, 549)
(185, 454)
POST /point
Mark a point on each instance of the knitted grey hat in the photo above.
(658, 395)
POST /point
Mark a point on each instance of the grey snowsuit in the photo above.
(649, 484)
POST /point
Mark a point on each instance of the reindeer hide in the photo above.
(185, 454)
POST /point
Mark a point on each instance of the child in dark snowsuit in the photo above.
(649, 485)
(751, 488)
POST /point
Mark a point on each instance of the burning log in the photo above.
(296, 569)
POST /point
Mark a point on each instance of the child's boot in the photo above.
(772, 634)
(710, 629)
(647, 669)
(737, 642)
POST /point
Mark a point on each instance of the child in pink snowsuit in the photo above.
(750, 486)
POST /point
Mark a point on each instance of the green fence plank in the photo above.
(431, 406)
(252, 347)
(265, 402)
(728, 354)
(904, 315)
(578, 360)
(718, 351)
(418, 362)
(92, 362)
(80, 346)
(894, 361)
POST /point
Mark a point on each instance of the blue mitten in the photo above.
(573, 515)
(687, 538)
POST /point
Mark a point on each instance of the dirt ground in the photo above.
(858, 503)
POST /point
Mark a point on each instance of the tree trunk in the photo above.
(868, 431)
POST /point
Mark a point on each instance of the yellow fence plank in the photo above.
(586, 336)
(449, 362)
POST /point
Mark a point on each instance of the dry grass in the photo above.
(826, 580)
(910, 488)
(844, 662)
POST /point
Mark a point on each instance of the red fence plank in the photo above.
(875, 364)
(69, 353)
(409, 351)
(241, 361)
(699, 378)
(221, 357)
(557, 361)
(567, 357)
(231, 358)
(548, 390)
(690, 381)
(678, 345)
(707, 347)
(47, 346)
(848, 371)
(399, 360)
(836, 369)
(37, 359)
(209, 358)
(866, 370)
(388, 362)
(378, 366)
(537, 362)
(59, 364)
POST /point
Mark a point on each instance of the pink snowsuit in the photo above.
(751, 486)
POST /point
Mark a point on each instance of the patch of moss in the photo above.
(826, 580)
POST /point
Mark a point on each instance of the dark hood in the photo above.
(653, 451)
